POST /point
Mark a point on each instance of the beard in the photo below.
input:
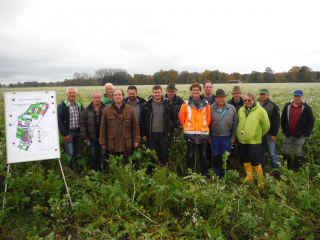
(132, 98)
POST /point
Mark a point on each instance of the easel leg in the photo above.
(65, 182)
(5, 189)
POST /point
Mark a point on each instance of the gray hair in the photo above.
(109, 84)
(96, 92)
(251, 96)
(72, 87)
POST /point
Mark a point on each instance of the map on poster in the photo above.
(31, 126)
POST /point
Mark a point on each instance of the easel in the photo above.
(47, 100)
(65, 182)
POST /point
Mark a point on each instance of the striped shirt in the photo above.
(74, 122)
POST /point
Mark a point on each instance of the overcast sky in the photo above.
(49, 40)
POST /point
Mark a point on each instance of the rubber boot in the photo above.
(297, 162)
(217, 171)
(287, 158)
(248, 168)
(259, 172)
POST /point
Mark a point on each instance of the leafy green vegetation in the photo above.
(170, 203)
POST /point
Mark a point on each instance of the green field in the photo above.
(171, 203)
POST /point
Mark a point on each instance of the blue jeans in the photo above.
(72, 148)
(126, 155)
(95, 149)
(271, 149)
(220, 143)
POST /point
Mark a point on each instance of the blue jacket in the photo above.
(64, 117)
(211, 100)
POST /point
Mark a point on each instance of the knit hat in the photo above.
(171, 87)
(236, 89)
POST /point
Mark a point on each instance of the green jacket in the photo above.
(254, 124)
(106, 100)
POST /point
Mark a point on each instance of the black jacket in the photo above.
(146, 118)
(176, 104)
(237, 105)
(274, 116)
(141, 101)
(305, 123)
(89, 124)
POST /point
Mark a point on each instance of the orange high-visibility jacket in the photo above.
(195, 121)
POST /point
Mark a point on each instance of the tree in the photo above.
(255, 77)
(183, 77)
(268, 76)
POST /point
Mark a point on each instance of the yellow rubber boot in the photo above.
(248, 168)
(259, 171)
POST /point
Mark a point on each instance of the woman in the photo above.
(195, 118)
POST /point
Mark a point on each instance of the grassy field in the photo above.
(171, 203)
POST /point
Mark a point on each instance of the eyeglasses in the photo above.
(247, 100)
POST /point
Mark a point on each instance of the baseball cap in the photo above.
(264, 91)
(298, 93)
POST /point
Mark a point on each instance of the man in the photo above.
(269, 140)
(223, 128)
(69, 111)
(90, 121)
(297, 122)
(175, 100)
(195, 118)
(119, 130)
(236, 99)
(253, 123)
(157, 122)
(107, 97)
(134, 101)
(237, 102)
(207, 87)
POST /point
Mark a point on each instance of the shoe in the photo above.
(287, 158)
(259, 172)
(248, 168)
(297, 162)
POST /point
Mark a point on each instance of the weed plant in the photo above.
(144, 201)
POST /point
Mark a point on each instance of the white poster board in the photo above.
(31, 126)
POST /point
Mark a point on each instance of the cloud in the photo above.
(50, 40)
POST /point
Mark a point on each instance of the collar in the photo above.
(300, 105)
(75, 103)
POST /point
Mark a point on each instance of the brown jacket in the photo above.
(119, 134)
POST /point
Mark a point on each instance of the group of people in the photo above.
(115, 125)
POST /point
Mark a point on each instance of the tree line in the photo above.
(118, 76)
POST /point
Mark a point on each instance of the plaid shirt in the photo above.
(74, 116)
(97, 112)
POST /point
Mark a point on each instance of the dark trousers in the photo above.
(191, 147)
(95, 150)
(158, 142)
(233, 149)
(125, 154)
(251, 153)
